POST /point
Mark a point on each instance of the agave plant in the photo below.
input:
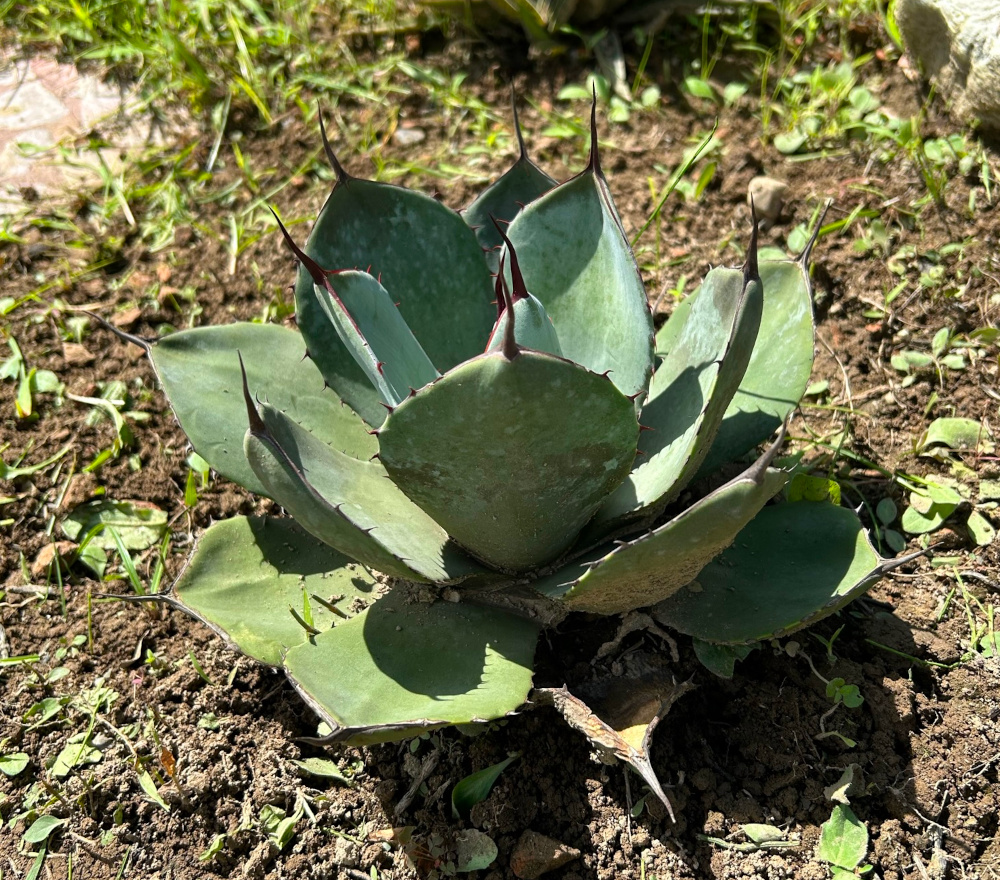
(541, 18)
(457, 435)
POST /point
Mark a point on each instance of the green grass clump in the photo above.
(203, 53)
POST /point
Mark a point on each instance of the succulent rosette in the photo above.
(475, 432)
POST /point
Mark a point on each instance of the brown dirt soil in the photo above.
(732, 752)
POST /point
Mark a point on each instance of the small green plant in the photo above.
(30, 382)
(831, 657)
(944, 353)
(12, 763)
(838, 691)
(278, 825)
(620, 106)
(980, 618)
(821, 107)
(886, 514)
(488, 459)
(476, 787)
(843, 844)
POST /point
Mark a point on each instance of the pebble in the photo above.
(40, 567)
(535, 854)
(407, 137)
(768, 195)
(76, 355)
(126, 318)
(256, 865)
(81, 488)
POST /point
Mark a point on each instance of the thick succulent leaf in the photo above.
(402, 667)
(521, 318)
(619, 717)
(503, 200)
(512, 457)
(423, 253)
(247, 573)
(577, 260)
(532, 327)
(642, 572)
(349, 504)
(688, 396)
(373, 330)
(200, 373)
(779, 367)
(792, 565)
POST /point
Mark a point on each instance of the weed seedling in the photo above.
(828, 644)
(886, 514)
(837, 690)
(843, 844)
(476, 787)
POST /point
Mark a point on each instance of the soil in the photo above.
(218, 735)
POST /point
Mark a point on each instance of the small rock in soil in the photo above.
(535, 854)
(77, 355)
(407, 137)
(260, 858)
(768, 195)
(40, 567)
(125, 319)
(715, 823)
(640, 839)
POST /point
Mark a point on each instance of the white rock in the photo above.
(30, 105)
(406, 137)
(957, 44)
